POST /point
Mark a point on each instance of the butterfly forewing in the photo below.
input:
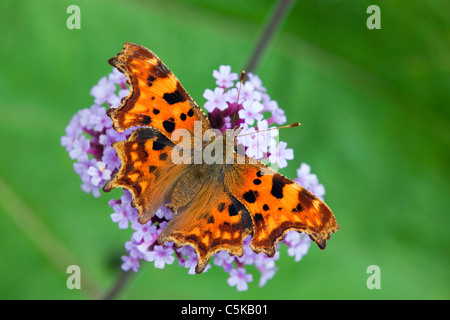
(147, 170)
(156, 98)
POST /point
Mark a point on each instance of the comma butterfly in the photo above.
(216, 205)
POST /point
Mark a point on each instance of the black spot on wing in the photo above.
(250, 196)
(169, 126)
(257, 181)
(145, 133)
(174, 97)
(258, 218)
(150, 80)
(163, 156)
(298, 208)
(146, 120)
(277, 190)
(158, 145)
(278, 183)
(151, 133)
(232, 211)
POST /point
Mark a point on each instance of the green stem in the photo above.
(280, 12)
(122, 280)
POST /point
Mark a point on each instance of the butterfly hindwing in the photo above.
(278, 205)
(212, 221)
(156, 98)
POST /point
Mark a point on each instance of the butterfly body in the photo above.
(217, 200)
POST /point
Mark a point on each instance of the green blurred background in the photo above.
(374, 107)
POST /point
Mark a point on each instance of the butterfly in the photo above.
(216, 205)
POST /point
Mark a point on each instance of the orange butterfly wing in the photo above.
(278, 205)
(212, 221)
(146, 170)
(156, 98)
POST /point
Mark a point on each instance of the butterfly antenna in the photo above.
(237, 100)
(276, 128)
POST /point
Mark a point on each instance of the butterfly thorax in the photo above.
(193, 181)
(218, 154)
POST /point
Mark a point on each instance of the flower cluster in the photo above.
(88, 140)
(233, 105)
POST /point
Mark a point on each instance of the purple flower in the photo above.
(298, 244)
(260, 260)
(309, 181)
(80, 148)
(134, 250)
(99, 173)
(240, 279)
(232, 96)
(126, 200)
(161, 255)
(216, 99)
(161, 226)
(249, 256)
(108, 137)
(224, 77)
(256, 82)
(121, 215)
(268, 271)
(132, 260)
(248, 92)
(98, 118)
(190, 259)
(144, 232)
(73, 130)
(251, 112)
(103, 91)
(223, 259)
(318, 190)
(130, 263)
(115, 101)
(164, 213)
(279, 154)
(256, 147)
(117, 77)
(269, 104)
(305, 178)
(278, 116)
(110, 158)
(81, 168)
